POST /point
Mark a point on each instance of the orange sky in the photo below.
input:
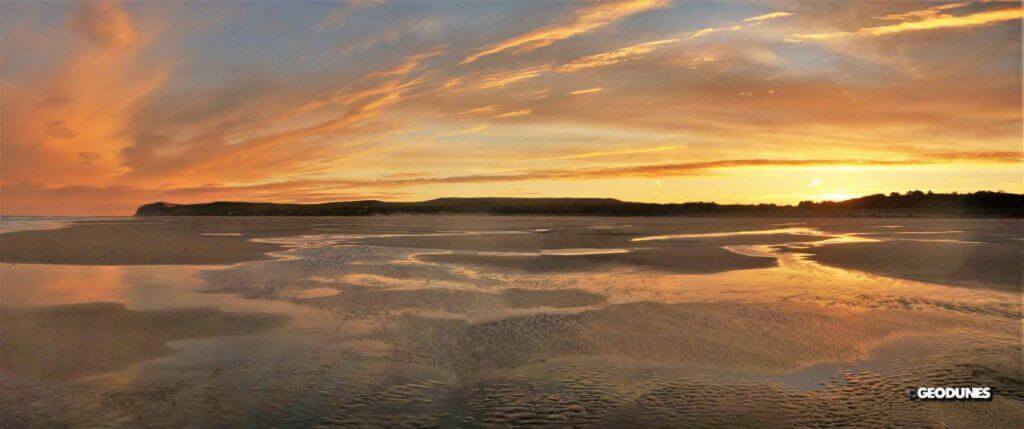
(106, 106)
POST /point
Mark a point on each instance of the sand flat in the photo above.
(996, 265)
(68, 341)
(128, 242)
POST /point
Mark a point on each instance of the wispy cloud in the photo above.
(538, 94)
(587, 91)
(409, 65)
(586, 20)
(228, 152)
(709, 31)
(501, 79)
(637, 51)
(485, 110)
(515, 113)
(921, 20)
(768, 16)
(393, 87)
(470, 130)
(939, 21)
(627, 53)
(984, 156)
(495, 111)
(613, 153)
(687, 169)
(923, 13)
(736, 26)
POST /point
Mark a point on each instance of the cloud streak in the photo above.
(586, 20)
(620, 55)
(922, 20)
(767, 17)
(693, 169)
(754, 20)
(709, 31)
(587, 91)
(502, 79)
(514, 114)
(603, 154)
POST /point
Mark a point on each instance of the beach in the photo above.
(473, 321)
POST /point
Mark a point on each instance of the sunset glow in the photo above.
(107, 106)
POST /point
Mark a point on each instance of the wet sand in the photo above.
(67, 341)
(996, 265)
(497, 321)
(692, 259)
(726, 336)
(128, 243)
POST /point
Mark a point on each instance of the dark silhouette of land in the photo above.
(911, 204)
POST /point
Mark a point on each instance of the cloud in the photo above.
(470, 130)
(495, 111)
(408, 66)
(939, 21)
(767, 17)
(59, 129)
(220, 155)
(709, 31)
(261, 128)
(347, 96)
(930, 12)
(614, 57)
(688, 169)
(30, 198)
(54, 99)
(89, 157)
(515, 113)
(587, 91)
(603, 154)
(922, 20)
(805, 37)
(734, 26)
(340, 15)
(78, 97)
(586, 20)
(984, 156)
(485, 110)
(501, 79)
(538, 94)
(105, 23)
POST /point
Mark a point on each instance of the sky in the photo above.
(105, 106)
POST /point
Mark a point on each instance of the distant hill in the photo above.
(911, 204)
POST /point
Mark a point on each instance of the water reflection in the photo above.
(139, 287)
